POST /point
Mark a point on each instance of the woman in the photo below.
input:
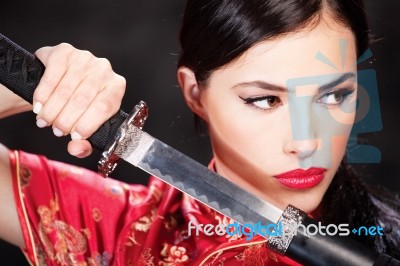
(279, 138)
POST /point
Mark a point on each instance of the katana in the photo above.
(122, 137)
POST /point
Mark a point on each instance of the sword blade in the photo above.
(194, 179)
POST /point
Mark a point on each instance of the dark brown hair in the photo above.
(216, 32)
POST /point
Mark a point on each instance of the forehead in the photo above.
(327, 48)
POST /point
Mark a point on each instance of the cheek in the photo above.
(250, 136)
(334, 130)
(230, 126)
(339, 144)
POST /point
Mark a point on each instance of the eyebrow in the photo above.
(272, 87)
(262, 85)
(337, 81)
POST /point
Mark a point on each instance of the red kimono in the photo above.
(72, 216)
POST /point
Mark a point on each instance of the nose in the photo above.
(302, 149)
(302, 142)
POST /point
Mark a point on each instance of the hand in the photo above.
(76, 95)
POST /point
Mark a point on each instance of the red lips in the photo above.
(302, 179)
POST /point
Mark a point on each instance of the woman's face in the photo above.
(286, 104)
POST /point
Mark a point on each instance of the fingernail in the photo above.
(41, 123)
(76, 136)
(57, 132)
(77, 153)
(37, 106)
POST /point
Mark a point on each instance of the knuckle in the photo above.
(60, 53)
(65, 46)
(105, 106)
(62, 49)
(104, 63)
(119, 86)
(121, 82)
(84, 55)
(64, 92)
(81, 100)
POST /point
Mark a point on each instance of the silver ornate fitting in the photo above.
(109, 159)
(291, 217)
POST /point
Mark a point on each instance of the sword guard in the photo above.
(109, 159)
(290, 218)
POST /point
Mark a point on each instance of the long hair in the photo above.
(350, 201)
(216, 32)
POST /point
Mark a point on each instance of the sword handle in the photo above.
(21, 71)
(333, 250)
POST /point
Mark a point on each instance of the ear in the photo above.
(191, 91)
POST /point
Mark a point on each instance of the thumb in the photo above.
(79, 148)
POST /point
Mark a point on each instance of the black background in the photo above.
(140, 38)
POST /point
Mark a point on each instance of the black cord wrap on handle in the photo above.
(21, 71)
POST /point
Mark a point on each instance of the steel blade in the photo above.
(178, 170)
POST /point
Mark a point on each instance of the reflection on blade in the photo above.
(196, 180)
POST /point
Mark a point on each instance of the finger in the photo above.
(43, 53)
(82, 97)
(75, 74)
(55, 70)
(79, 148)
(106, 104)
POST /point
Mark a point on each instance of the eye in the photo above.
(333, 98)
(264, 102)
(336, 97)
